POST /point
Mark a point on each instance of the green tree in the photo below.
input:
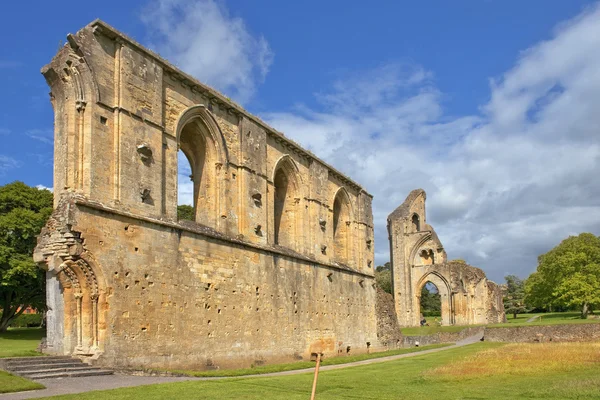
(383, 277)
(569, 274)
(185, 211)
(23, 212)
(514, 299)
(431, 301)
(538, 292)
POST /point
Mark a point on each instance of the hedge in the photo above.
(27, 321)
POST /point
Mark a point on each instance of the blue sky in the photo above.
(490, 106)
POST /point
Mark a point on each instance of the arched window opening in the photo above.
(185, 189)
(416, 224)
(427, 257)
(284, 209)
(430, 305)
(196, 177)
(341, 227)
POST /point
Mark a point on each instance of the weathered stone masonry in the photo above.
(418, 257)
(277, 263)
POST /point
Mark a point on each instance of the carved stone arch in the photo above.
(415, 222)
(287, 163)
(445, 292)
(418, 245)
(287, 184)
(202, 113)
(343, 192)
(343, 215)
(203, 144)
(85, 305)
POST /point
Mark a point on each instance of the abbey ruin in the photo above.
(278, 263)
(418, 257)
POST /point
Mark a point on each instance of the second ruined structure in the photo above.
(418, 257)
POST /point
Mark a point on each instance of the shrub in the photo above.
(27, 321)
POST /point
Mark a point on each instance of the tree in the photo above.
(569, 274)
(514, 299)
(185, 211)
(431, 301)
(383, 277)
(24, 210)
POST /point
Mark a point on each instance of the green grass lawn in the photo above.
(266, 369)
(429, 376)
(20, 342)
(547, 319)
(521, 320)
(11, 383)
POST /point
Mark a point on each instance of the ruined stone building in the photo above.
(277, 263)
(418, 257)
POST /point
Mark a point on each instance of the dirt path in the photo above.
(533, 318)
(60, 386)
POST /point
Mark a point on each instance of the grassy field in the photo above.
(480, 371)
(521, 320)
(20, 342)
(11, 383)
(267, 369)
(547, 319)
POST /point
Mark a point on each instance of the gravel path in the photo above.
(533, 318)
(60, 386)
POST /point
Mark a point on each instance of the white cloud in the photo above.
(201, 38)
(42, 135)
(185, 186)
(7, 163)
(42, 187)
(504, 184)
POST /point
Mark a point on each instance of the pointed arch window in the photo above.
(285, 204)
(416, 223)
(341, 227)
(201, 151)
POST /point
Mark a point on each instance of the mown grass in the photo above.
(418, 377)
(11, 383)
(563, 318)
(521, 320)
(430, 330)
(20, 342)
(267, 369)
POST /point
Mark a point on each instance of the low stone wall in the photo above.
(544, 333)
(441, 337)
(514, 334)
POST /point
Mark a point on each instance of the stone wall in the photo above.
(545, 333)
(515, 334)
(388, 330)
(441, 337)
(276, 264)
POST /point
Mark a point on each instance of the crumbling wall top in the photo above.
(100, 27)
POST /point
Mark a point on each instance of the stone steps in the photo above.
(51, 367)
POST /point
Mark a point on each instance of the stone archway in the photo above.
(445, 297)
(83, 306)
(76, 292)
